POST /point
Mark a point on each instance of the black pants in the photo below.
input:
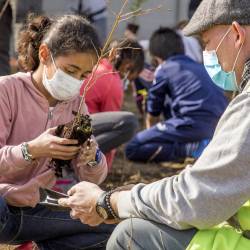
(51, 230)
(5, 31)
(112, 129)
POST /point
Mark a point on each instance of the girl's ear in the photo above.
(44, 54)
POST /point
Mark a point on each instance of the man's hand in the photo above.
(82, 201)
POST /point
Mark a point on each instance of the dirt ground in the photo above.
(125, 172)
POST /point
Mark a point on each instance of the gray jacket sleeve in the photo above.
(210, 191)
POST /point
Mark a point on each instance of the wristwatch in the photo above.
(104, 208)
(25, 151)
(98, 157)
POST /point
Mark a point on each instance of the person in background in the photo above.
(24, 7)
(187, 98)
(6, 29)
(106, 95)
(56, 55)
(141, 86)
(193, 5)
(192, 44)
(131, 31)
(95, 11)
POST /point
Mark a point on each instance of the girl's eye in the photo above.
(69, 72)
(83, 77)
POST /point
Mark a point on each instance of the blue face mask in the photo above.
(225, 80)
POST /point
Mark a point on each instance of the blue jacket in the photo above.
(191, 103)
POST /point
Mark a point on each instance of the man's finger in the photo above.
(74, 214)
(65, 202)
(72, 191)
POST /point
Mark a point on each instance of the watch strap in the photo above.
(104, 202)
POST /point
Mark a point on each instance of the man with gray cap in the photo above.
(180, 212)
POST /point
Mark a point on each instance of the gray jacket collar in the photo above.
(245, 83)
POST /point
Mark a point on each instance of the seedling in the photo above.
(80, 128)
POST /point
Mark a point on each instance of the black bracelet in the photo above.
(107, 200)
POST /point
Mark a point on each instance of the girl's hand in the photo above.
(26, 195)
(50, 146)
(87, 153)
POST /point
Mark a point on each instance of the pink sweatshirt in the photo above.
(24, 115)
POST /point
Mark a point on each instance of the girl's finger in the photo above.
(64, 141)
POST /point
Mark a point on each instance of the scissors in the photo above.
(49, 198)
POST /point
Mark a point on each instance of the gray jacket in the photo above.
(210, 191)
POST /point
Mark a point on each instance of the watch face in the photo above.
(102, 212)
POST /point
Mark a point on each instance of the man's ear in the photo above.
(44, 54)
(240, 33)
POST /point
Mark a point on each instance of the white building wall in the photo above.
(170, 14)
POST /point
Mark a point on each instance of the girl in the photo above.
(125, 63)
(57, 56)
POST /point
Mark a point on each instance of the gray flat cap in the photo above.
(218, 12)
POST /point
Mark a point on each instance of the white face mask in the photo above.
(61, 86)
(223, 79)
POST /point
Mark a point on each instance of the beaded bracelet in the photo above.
(108, 203)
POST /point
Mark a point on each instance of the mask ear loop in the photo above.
(53, 61)
(126, 75)
(223, 39)
(237, 57)
(125, 80)
(235, 66)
